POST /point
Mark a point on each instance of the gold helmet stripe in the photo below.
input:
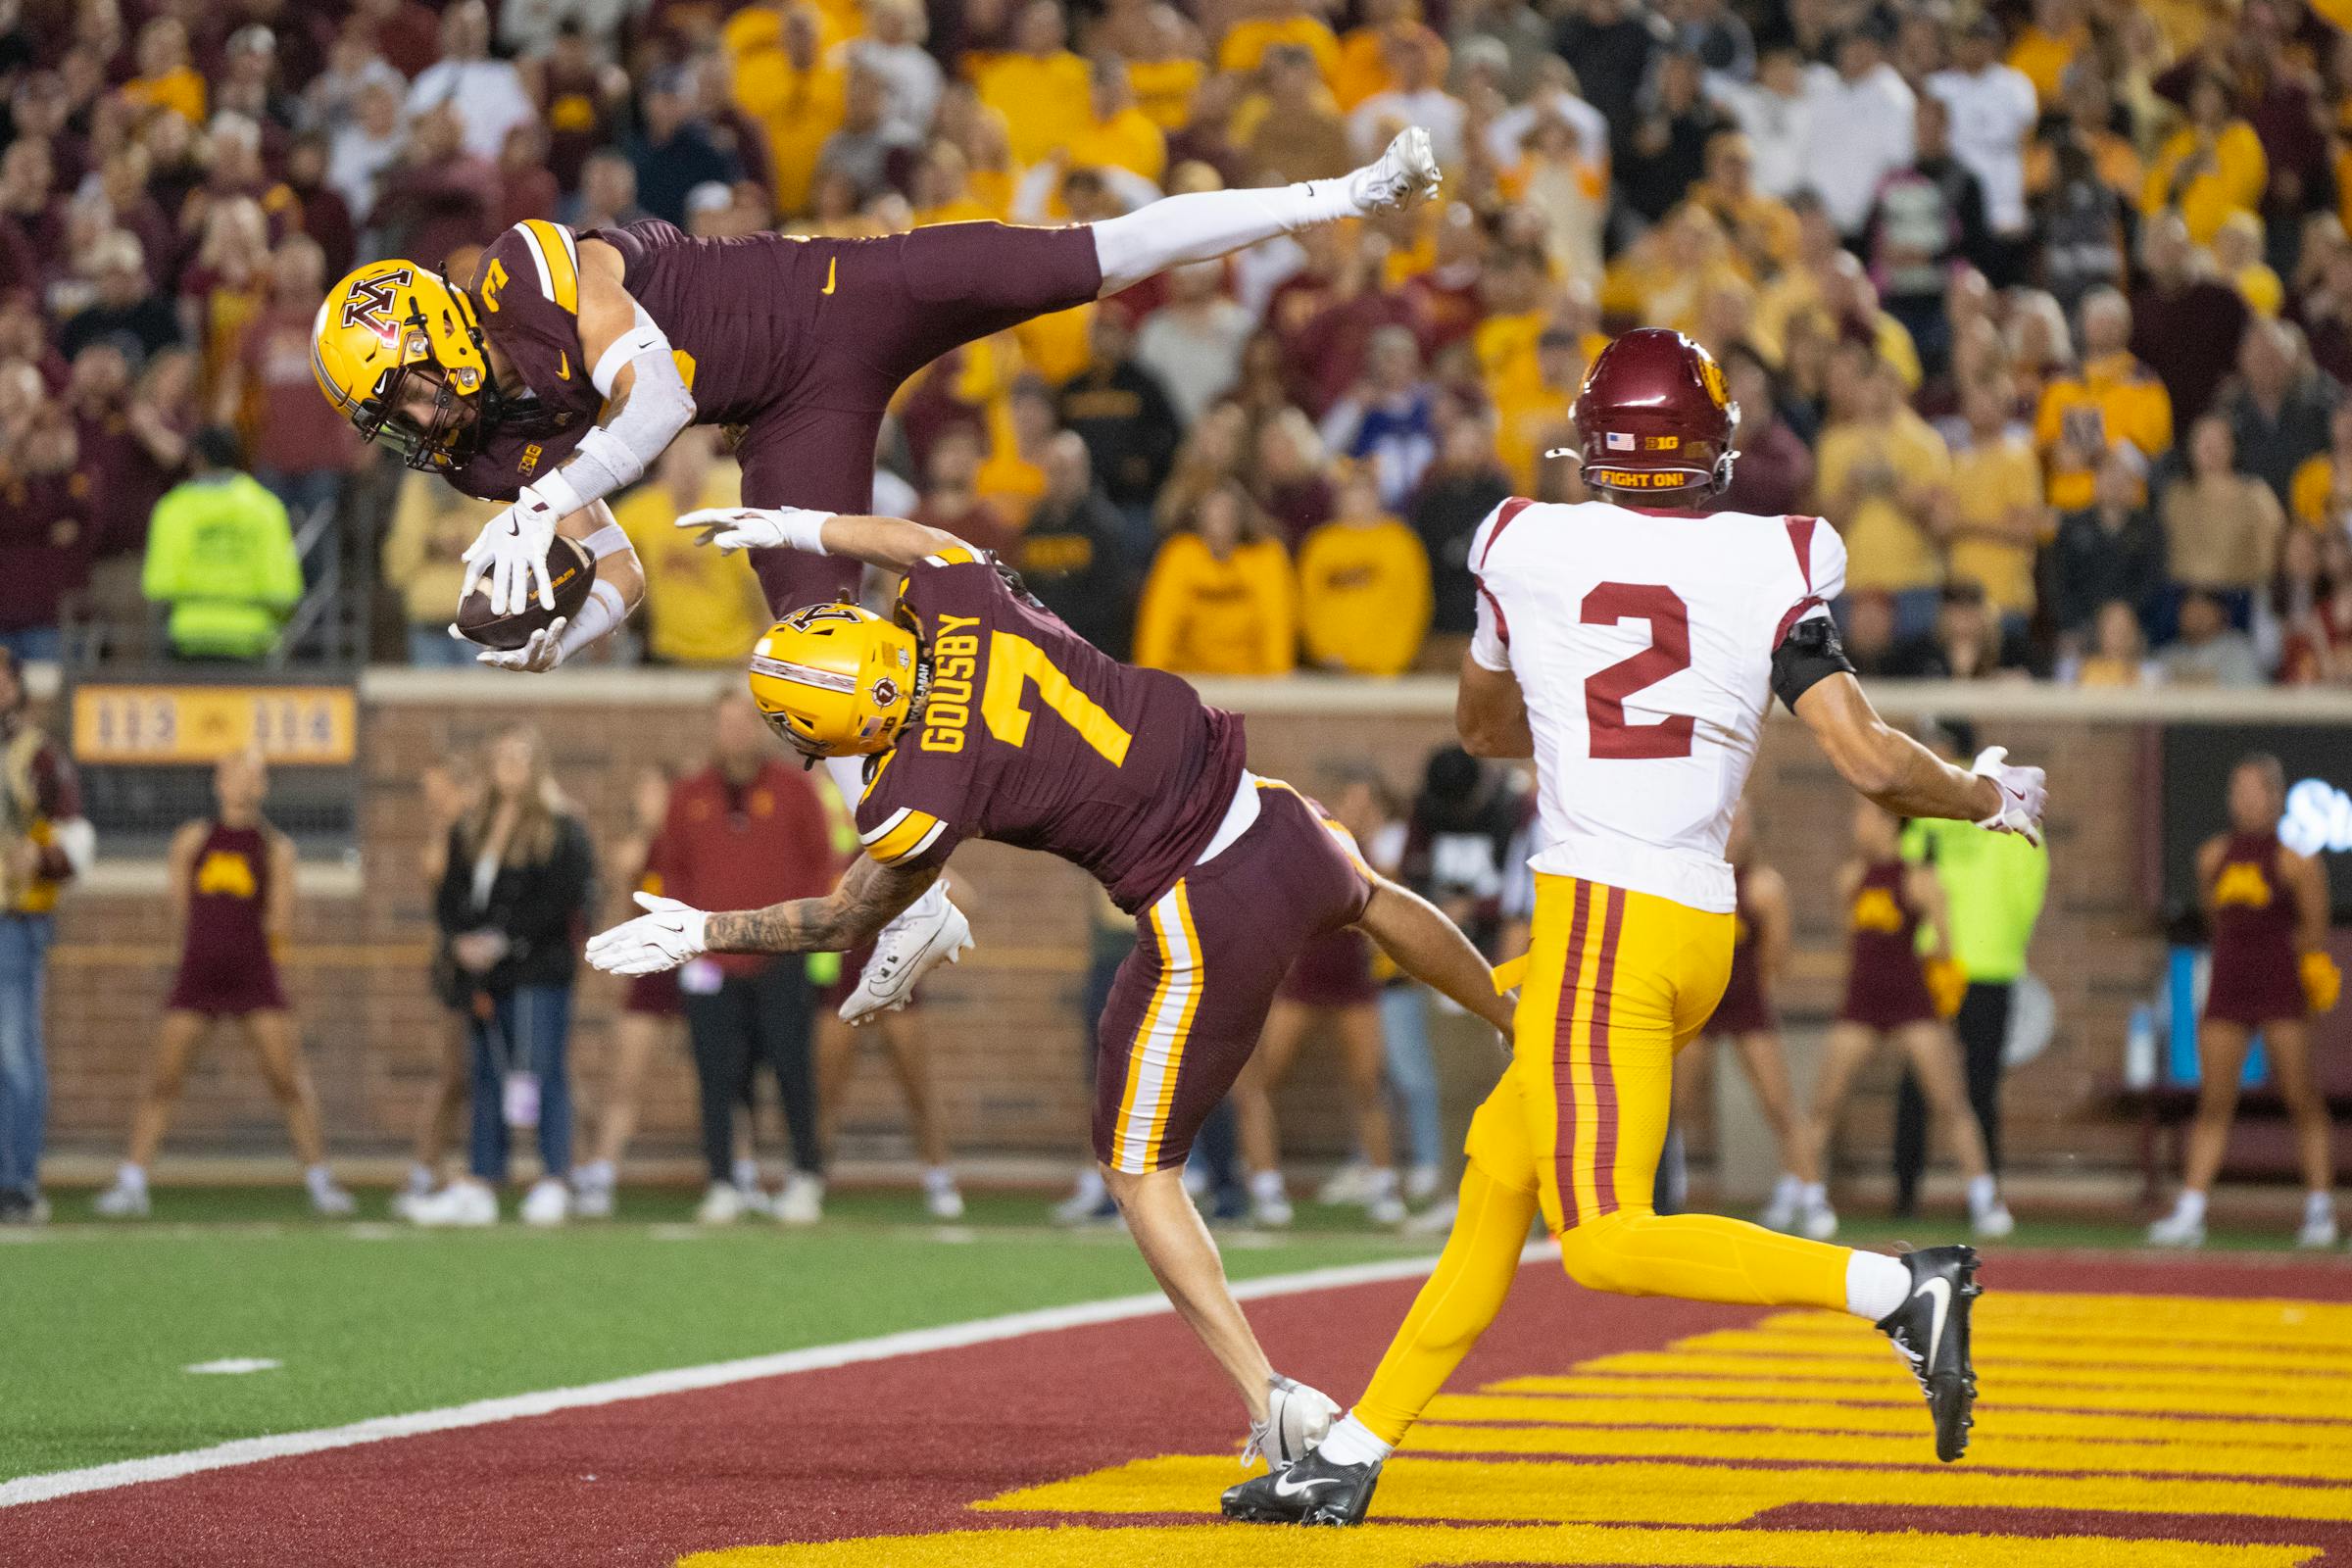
(803, 674)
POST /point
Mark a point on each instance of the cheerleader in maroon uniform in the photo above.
(1746, 1018)
(1329, 983)
(651, 1011)
(232, 886)
(1890, 993)
(2266, 909)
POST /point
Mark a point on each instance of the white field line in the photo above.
(679, 1380)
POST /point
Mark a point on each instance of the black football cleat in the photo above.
(1929, 1331)
(1311, 1492)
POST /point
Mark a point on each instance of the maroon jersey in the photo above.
(2254, 966)
(1746, 1006)
(1886, 986)
(224, 961)
(1030, 736)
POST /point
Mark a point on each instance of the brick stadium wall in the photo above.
(1004, 1025)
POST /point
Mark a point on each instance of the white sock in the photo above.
(1982, 1195)
(1089, 1185)
(1813, 1194)
(1350, 1441)
(1266, 1187)
(2319, 1205)
(1382, 1182)
(319, 1180)
(1204, 224)
(2189, 1207)
(1787, 1190)
(747, 1174)
(133, 1178)
(1875, 1284)
(420, 1179)
(939, 1178)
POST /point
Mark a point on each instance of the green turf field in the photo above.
(378, 1318)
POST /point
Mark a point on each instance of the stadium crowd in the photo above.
(2048, 309)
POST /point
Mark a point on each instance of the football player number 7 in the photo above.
(1605, 691)
(1015, 665)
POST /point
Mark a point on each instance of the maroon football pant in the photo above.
(891, 307)
(1190, 1001)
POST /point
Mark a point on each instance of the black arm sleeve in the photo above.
(1808, 655)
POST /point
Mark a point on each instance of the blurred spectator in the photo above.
(133, 451)
(2082, 219)
(1074, 553)
(795, 95)
(440, 195)
(1193, 342)
(2237, 261)
(1290, 482)
(952, 500)
(1886, 481)
(487, 95)
(1998, 518)
(1662, 152)
(893, 49)
(1038, 85)
(166, 81)
(2110, 552)
(526, 186)
(1415, 95)
(1116, 134)
(366, 145)
(519, 884)
(584, 99)
(1992, 110)
(1928, 218)
(322, 212)
(2213, 165)
(302, 449)
(673, 154)
(749, 828)
(2112, 399)
(1465, 484)
(221, 554)
(1388, 420)
(1775, 471)
(45, 843)
(1013, 475)
(431, 526)
(1966, 644)
(1364, 586)
(1220, 599)
(2186, 326)
(124, 304)
(702, 607)
(1608, 44)
(869, 150)
(608, 193)
(1292, 124)
(406, 31)
(2055, 37)
(1861, 126)
(1122, 412)
(46, 533)
(2320, 492)
(1774, 115)
(2279, 405)
(2119, 651)
(2221, 526)
(2209, 652)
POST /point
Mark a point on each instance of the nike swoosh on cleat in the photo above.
(1285, 1488)
(1941, 1289)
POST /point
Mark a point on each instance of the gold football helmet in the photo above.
(835, 680)
(387, 322)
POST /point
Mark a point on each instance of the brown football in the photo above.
(571, 571)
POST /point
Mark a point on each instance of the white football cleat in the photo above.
(941, 1199)
(1993, 1223)
(465, 1201)
(122, 1200)
(1779, 1211)
(1819, 1221)
(803, 1200)
(548, 1203)
(1404, 176)
(722, 1205)
(2178, 1230)
(1351, 1183)
(1421, 1182)
(1297, 1418)
(1270, 1212)
(2318, 1232)
(1435, 1220)
(929, 931)
(332, 1202)
(592, 1202)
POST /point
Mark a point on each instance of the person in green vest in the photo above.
(220, 553)
(1993, 884)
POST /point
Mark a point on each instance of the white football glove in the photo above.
(734, 528)
(512, 551)
(667, 935)
(543, 653)
(2024, 794)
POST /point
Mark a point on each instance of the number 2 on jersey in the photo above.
(1013, 664)
(1605, 691)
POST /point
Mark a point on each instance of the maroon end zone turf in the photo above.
(905, 1445)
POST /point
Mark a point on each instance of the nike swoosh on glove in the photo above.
(2024, 794)
(669, 933)
(734, 528)
(512, 551)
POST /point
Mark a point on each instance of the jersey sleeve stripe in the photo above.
(883, 827)
(955, 556)
(1796, 613)
(1801, 539)
(917, 833)
(552, 254)
(1502, 519)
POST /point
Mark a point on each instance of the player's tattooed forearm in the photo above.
(862, 905)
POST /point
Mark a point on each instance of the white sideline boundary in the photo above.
(680, 1379)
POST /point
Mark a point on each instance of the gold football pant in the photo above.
(1616, 983)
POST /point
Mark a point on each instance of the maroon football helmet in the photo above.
(1654, 416)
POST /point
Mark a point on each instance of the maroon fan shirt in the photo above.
(1030, 736)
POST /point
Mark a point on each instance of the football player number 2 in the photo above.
(1667, 654)
(1015, 665)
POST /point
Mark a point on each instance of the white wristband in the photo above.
(554, 492)
(804, 529)
(608, 540)
(604, 610)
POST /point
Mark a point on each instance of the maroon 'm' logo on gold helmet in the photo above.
(1653, 399)
(369, 303)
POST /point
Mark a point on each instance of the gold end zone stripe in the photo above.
(557, 263)
(2015, 1345)
(1801, 1368)
(2164, 1396)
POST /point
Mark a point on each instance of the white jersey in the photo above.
(1644, 644)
